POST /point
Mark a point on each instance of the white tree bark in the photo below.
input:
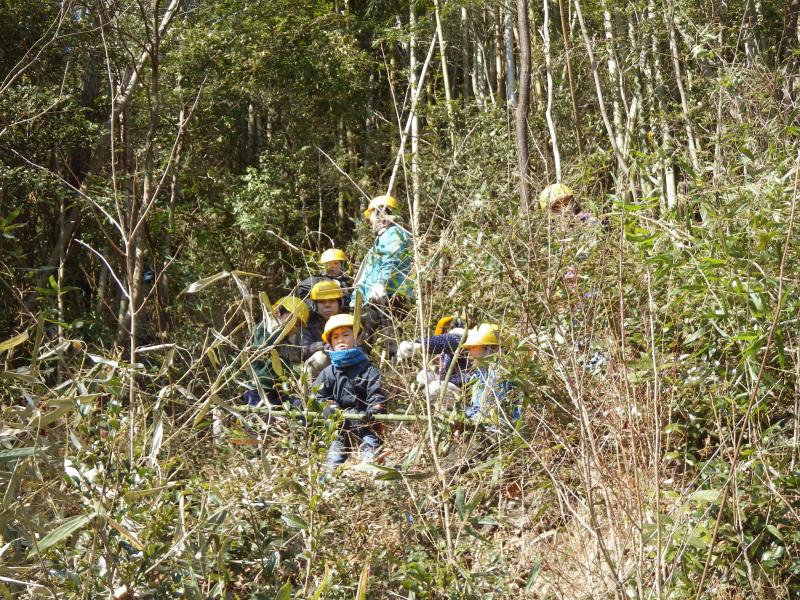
(548, 113)
(511, 68)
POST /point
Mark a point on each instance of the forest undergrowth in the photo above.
(668, 469)
(654, 349)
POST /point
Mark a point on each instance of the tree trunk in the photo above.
(445, 73)
(676, 64)
(521, 116)
(511, 68)
(414, 85)
(465, 82)
(567, 56)
(548, 113)
(616, 111)
(621, 162)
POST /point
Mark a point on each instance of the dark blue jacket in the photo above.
(447, 344)
(352, 388)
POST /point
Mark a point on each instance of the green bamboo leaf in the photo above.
(534, 574)
(706, 496)
(14, 341)
(285, 593)
(200, 284)
(326, 580)
(363, 583)
(295, 522)
(17, 453)
(61, 532)
(460, 502)
(357, 314)
(775, 531)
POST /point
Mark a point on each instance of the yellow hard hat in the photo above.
(294, 306)
(484, 335)
(441, 324)
(332, 254)
(554, 193)
(336, 321)
(326, 290)
(381, 202)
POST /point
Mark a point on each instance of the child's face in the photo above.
(284, 316)
(333, 268)
(377, 220)
(342, 338)
(478, 352)
(563, 207)
(327, 308)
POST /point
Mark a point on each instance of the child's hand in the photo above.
(406, 349)
(369, 414)
(377, 293)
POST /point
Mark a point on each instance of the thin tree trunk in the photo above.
(445, 73)
(616, 111)
(465, 83)
(478, 75)
(567, 56)
(252, 132)
(412, 55)
(548, 113)
(621, 162)
(676, 65)
(521, 116)
(499, 62)
(656, 89)
(511, 68)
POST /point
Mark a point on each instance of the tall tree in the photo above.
(523, 102)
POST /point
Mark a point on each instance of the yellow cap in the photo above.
(381, 202)
(484, 335)
(554, 193)
(441, 324)
(332, 254)
(336, 321)
(293, 305)
(327, 289)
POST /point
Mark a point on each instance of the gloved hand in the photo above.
(315, 347)
(369, 414)
(406, 349)
(251, 398)
(377, 293)
(329, 410)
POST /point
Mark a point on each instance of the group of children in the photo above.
(314, 327)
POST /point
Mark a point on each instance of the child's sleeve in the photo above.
(376, 399)
(324, 387)
(437, 344)
(311, 342)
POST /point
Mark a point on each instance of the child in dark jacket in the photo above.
(351, 383)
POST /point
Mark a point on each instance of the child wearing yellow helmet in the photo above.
(490, 389)
(384, 280)
(284, 337)
(444, 344)
(332, 262)
(353, 384)
(326, 299)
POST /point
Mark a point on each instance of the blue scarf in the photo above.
(347, 358)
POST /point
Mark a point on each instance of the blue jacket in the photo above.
(388, 262)
(446, 345)
(352, 388)
(490, 393)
